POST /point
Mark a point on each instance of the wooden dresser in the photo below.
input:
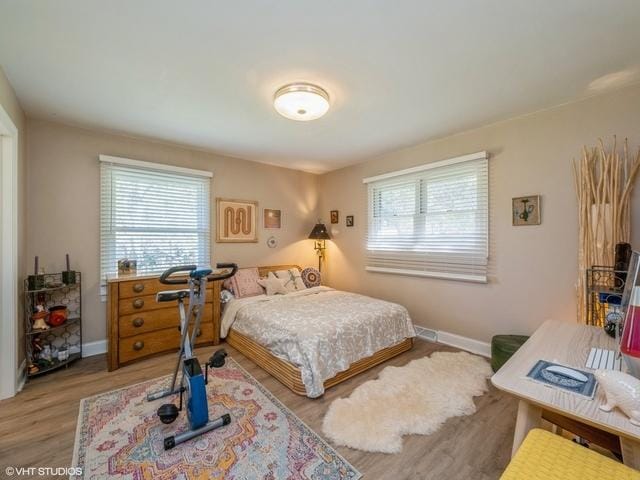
(138, 326)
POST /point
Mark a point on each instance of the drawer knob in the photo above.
(138, 303)
(138, 322)
(138, 287)
(139, 345)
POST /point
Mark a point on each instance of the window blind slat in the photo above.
(433, 222)
(158, 218)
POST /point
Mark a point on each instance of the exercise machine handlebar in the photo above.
(165, 277)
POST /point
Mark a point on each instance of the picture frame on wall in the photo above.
(335, 216)
(526, 210)
(272, 218)
(349, 221)
(236, 221)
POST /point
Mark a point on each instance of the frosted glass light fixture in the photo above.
(301, 101)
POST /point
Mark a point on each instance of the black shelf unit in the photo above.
(605, 286)
(66, 336)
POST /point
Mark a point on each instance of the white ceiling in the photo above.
(203, 73)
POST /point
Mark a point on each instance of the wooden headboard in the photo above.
(264, 271)
(217, 310)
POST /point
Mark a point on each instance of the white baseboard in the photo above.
(453, 340)
(22, 376)
(94, 348)
(464, 343)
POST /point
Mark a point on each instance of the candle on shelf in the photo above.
(68, 276)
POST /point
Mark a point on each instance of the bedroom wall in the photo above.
(11, 105)
(533, 268)
(63, 203)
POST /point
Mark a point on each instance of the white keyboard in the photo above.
(600, 358)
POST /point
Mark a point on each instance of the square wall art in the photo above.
(237, 221)
(272, 218)
(526, 210)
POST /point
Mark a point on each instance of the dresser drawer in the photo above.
(146, 303)
(143, 322)
(150, 286)
(145, 344)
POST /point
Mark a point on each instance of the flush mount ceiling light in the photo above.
(301, 101)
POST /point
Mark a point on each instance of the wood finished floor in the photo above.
(37, 427)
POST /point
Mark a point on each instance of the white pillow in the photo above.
(292, 279)
(226, 296)
(273, 285)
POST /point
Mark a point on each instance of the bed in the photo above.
(316, 338)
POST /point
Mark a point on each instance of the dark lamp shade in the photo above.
(319, 232)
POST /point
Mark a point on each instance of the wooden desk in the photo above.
(568, 344)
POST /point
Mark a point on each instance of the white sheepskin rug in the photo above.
(414, 399)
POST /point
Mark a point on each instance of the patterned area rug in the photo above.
(119, 435)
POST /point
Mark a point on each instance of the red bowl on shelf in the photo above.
(57, 315)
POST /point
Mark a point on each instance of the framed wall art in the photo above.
(272, 218)
(349, 221)
(236, 221)
(335, 216)
(526, 210)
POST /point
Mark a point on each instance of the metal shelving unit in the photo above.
(605, 286)
(66, 336)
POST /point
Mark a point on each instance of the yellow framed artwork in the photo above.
(236, 221)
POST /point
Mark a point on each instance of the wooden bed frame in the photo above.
(288, 374)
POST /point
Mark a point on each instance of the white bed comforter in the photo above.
(320, 330)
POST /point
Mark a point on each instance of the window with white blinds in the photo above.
(431, 220)
(155, 214)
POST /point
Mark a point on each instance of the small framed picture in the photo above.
(335, 217)
(526, 210)
(349, 220)
(126, 266)
(272, 218)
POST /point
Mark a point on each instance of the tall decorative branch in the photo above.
(603, 181)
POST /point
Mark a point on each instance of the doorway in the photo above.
(9, 375)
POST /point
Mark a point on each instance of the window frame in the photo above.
(140, 167)
(420, 262)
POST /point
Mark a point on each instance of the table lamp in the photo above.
(319, 234)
